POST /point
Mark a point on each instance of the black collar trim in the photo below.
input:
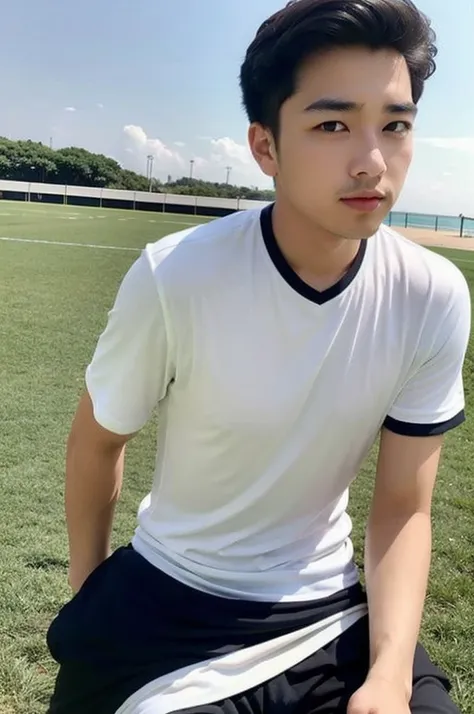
(289, 275)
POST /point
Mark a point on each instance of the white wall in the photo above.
(129, 196)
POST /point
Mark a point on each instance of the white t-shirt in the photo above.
(270, 396)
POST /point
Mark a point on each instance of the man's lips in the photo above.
(363, 203)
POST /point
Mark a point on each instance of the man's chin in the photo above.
(363, 230)
(355, 225)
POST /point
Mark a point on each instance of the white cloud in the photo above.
(229, 150)
(70, 109)
(210, 163)
(226, 152)
(137, 145)
(100, 105)
(441, 177)
(454, 143)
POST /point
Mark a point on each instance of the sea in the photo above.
(451, 224)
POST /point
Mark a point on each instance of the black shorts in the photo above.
(131, 625)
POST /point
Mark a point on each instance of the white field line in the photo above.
(63, 243)
(82, 216)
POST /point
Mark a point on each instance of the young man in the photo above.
(278, 345)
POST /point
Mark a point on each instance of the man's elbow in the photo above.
(86, 432)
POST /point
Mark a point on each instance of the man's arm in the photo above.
(398, 541)
(398, 552)
(130, 372)
(94, 472)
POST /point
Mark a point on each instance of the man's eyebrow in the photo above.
(402, 108)
(333, 104)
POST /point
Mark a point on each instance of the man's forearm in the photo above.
(397, 563)
(93, 484)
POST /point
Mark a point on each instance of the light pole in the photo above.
(191, 168)
(149, 169)
(228, 169)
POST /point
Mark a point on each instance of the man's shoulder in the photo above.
(202, 245)
(417, 268)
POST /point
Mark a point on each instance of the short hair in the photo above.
(304, 28)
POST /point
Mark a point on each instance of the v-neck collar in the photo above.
(292, 278)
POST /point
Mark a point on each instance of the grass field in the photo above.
(54, 298)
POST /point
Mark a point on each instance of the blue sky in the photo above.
(132, 77)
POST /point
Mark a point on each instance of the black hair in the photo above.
(269, 74)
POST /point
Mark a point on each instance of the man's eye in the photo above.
(331, 127)
(399, 127)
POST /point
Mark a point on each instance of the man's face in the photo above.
(346, 132)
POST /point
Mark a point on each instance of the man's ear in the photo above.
(262, 146)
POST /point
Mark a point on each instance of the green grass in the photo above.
(53, 305)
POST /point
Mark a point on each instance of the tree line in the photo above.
(37, 162)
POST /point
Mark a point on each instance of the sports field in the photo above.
(59, 271)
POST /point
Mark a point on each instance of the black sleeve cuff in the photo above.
(406, 429)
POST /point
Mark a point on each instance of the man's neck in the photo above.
(319, 257)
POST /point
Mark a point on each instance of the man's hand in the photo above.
(379, 696)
